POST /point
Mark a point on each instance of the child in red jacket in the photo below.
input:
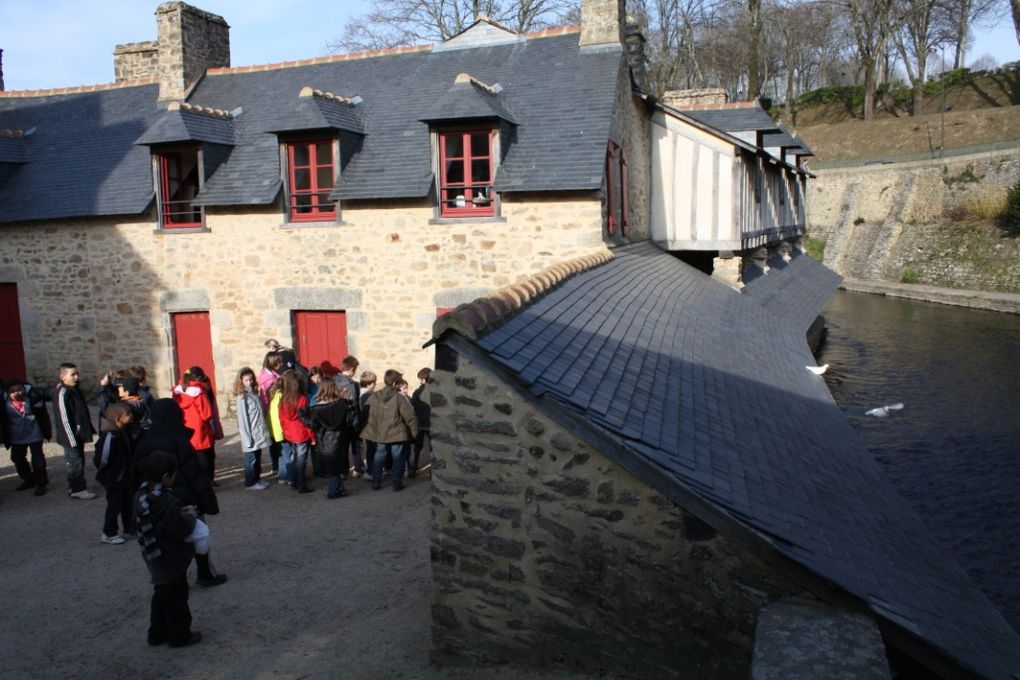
(295, 431)
(192, 397)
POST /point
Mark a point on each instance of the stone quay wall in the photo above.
(546, 553)
(100, 292)
(880, 221)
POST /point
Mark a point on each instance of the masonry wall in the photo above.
(100, 293)
(547, 554)
(631, 129)
(136, 61)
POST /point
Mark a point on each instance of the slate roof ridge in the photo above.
(485, 314)
(195, 108)
(327, 59)
(77, 89)
(366, 54)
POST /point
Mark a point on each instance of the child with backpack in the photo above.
(295, 433)
(25, 424)
(335, 421)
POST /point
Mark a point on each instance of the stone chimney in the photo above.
(602, 22)
(136, 61)
(635, 47)
(189, 42)
(706, 98)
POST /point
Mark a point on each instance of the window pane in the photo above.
(324, 177)
(454, 145)
(302, 180)
(455, 172)
(480, 171)
(480, 144)
(303, 203)
(300, 154)
(323, 201)
(324, 153)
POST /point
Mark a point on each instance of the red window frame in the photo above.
(176, 192)
(468, 197)
(624, 194)
(318, 207)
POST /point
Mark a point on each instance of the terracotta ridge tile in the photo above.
(308, 91)
(195, 108)
(78, 88)
(489, 312)
(326, 59)
(549, 32)
(17, 134)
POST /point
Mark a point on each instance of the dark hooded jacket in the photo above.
(335, 425)
(167, 433)
(113, 455)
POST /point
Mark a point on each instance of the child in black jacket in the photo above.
(163, 529)
(113, 470)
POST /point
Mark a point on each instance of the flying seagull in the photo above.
(883, 411)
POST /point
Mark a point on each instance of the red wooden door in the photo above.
(12, 349)
(321, 339)
(193, 344)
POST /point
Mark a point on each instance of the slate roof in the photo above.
(735, 418)
(84, 161)
(88, 164)
(180, 125)
(795, 290)
(785, 139)
(735, 118)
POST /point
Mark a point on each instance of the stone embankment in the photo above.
(929, 222)
(998, 302)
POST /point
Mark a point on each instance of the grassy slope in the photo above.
(983, 110)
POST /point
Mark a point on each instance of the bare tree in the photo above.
(871, 24)
(916, 38)
(393, 23)
(1014, 6)
(958, 17)
(672, 29)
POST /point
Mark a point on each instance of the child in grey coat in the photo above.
(251, 425)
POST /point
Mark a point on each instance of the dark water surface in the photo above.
(954, 449)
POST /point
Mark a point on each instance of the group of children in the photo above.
(336, 422)
(155, 458)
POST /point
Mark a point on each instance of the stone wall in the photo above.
(545, 553)
(631, 129)
(136, 61)
(100, 292)
(879, 221)
(602, 22)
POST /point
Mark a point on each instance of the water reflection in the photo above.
(954, 450)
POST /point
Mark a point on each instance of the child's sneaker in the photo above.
(110, 540)
(257, 486)
(84, 494)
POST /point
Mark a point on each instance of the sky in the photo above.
(62, 43)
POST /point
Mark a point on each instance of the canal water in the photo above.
(953, 451)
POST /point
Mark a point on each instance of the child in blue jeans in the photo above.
(251, 426)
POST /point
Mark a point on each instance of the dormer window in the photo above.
(179, 182)
(466, 170)
(311, 175)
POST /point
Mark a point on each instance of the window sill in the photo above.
(180, 230)
(467, 218)
(312, 225)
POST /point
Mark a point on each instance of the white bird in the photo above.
(883, 411)
(818, 370)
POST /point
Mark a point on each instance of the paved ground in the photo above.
(318, 588)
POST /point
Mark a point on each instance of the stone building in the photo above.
(190, 210)
(632, 461)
